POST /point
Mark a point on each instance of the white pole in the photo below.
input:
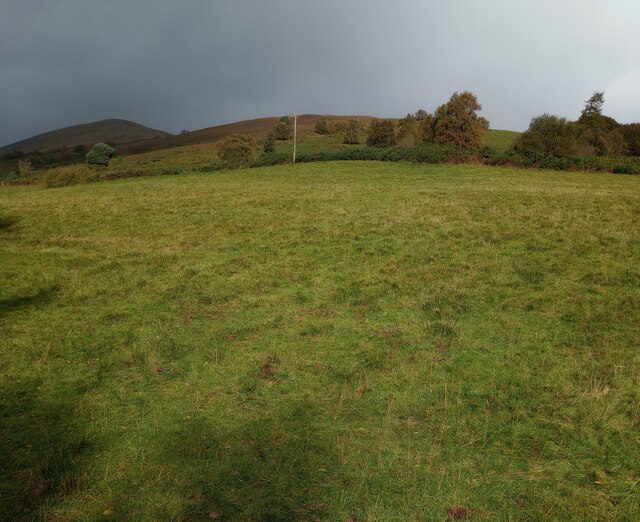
(295, 135)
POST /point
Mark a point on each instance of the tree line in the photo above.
(593, 133)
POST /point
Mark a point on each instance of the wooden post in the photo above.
(295, 136)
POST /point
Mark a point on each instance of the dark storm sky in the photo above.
(194, 63)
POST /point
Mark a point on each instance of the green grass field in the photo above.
(333, 341)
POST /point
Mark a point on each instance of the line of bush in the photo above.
(617, 165)
(427, 153)
(76, 174)
(432, 153)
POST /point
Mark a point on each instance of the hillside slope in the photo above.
(113, 131)
(256, 128)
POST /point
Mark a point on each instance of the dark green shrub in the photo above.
(100, 154)
(550, 135)
(211, 167)
(555, 163)
(283, 129)
(237, 151)
(273, 158)
(624, 169)
(631, 134)
(269, 145)
(427, 153)
(282, 132)
(382, 134)
(322, 127)
(603, 142)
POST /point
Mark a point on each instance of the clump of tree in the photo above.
(631, 132)
(408, 131)
(237, 150)
(352, 133)
(421, 114)
(426, 130)
(284, 129)
(269, 144)
(382, 134)
(601, 135)
(593, 134)
(549, 134)
(457, 122)
(322, 126)
(100, 154)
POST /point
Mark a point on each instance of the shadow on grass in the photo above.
(8, 222)
(275, 467)
(41, 297)
(42, 451)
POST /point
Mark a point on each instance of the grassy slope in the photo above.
(257, 128)
(500, 140)
(190, 156)
(382, 341)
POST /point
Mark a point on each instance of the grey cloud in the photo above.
(197, 63)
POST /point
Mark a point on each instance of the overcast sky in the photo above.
(191, 64)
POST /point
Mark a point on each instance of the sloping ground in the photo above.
(322, 342)
(500, 140)
(112, 131)
(256, 128)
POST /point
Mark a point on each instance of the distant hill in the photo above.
(113, 131)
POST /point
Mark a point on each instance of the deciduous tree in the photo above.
(548, 134)
(457, 121)
(352, 133)
(283, 129)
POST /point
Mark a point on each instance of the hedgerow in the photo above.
(427, 153)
